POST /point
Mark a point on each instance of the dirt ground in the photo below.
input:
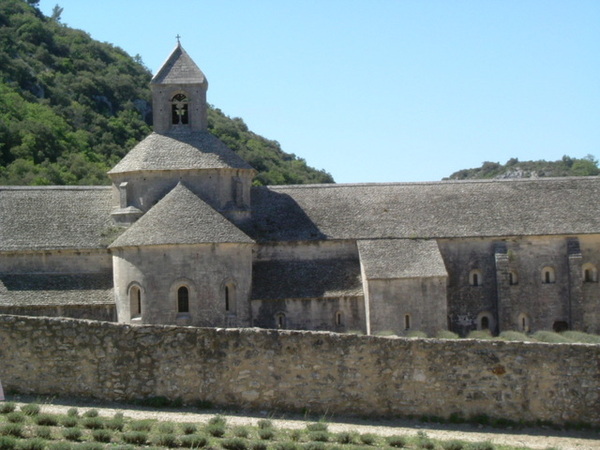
(537, 438)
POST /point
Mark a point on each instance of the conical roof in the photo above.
(179, 68)
(181, 218)
(191, 150)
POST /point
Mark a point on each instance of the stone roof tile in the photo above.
(46, 218)
(181, 217)
(401, 258)
(189, 150)
(179, 68)
(445, 209)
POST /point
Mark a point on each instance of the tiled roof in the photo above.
(443, 209)
(45, 218)
(180, 217)
(324, 278)
(187, 150)
(56, 289)
(401, 258)
(179, 68)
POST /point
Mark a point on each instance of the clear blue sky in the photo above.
(382, 90)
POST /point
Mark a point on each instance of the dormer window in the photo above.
(179, 110)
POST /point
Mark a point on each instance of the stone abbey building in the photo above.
(182, 237)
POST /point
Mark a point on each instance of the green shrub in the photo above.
(61, 445)
(286, 446)
(15, 417)
(193, 441)
(481, 419)
(189, 428)
(32, 409)
(115, 424)
(12, 429)
(319, 436)
(135, 437)
(453, 445)
(217, 420)
(550, 337)
(446, 334)
(480, 334)
(234, 444)
(317, 426)
(258, 445)
(266, 433)
(101, 435)
(141, 425)
(578, 336)
(7, 407)
(72, 434)
(416, 334)
(514, 336)
(32, 444)
(91, 413)
(69, 421)
(166, 440)
(396, 441)
(368, 438)
(166, 427)
(73, 412)
(215, 429)
(345, 437)
(90, 446)
(46, 419)
(93, 423)
(241, 432)
(295, 435)
(314, 446)
(264, 423)
(44, 432)
(7, 443)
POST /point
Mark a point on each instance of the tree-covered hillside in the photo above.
(72, 107)
(565, 167)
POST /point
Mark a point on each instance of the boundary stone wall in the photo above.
(320, 372)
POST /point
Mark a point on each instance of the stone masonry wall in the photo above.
(315, 371)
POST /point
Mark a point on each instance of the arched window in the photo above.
(485, 321)
(407, 321)
(179, 109)
(183, 300)
(135, 302)
(590, 273)
(339, 319)
(548, 275)
(513, 278)
(229, 297)
(475, 278)
(523, 323)
(280, 320)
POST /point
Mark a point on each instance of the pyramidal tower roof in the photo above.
(181, 218)
(179, 68)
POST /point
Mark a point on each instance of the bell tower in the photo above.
(179, 95)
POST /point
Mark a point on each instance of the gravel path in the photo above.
(533, 438)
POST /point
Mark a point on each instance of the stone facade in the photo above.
(183, 238)
(318, 372)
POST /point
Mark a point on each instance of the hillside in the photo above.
(72, 107)
(565, 167)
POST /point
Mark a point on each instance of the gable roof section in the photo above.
(401, 258)
(321, 278)
(180, 151)
(56, 289)
(47, 218)
(179, 68)
(180, 218)
(444, 209)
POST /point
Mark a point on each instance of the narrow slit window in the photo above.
(183, 300)
(407, 321)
